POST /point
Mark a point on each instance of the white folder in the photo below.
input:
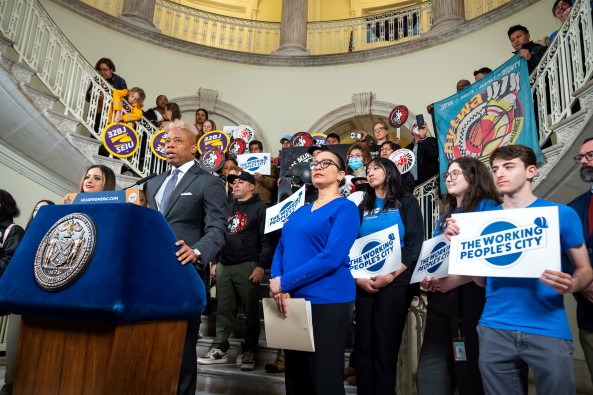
(293, 332)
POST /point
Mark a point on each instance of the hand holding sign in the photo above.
(509, 243)
(559, 281)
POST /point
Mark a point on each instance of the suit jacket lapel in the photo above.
(155, 185)
(187, 179)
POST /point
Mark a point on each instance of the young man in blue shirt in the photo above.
(524, 324)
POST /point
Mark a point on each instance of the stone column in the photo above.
(293, 28)
(139, 13)
(446, 14)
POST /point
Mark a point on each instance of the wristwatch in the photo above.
(199, 263)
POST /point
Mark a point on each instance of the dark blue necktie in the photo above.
(169, 189)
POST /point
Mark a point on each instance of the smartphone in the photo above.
(420, 121)
(355, 136)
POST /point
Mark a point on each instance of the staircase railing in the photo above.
(566, 67)
(41, 45)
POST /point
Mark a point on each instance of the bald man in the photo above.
(198, 220)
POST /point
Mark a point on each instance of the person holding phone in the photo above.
(426, 151)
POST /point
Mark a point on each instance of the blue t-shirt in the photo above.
(483, 205)
(312, 255)
(379, 220)
(527, 304)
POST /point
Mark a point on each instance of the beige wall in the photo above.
(25, 191)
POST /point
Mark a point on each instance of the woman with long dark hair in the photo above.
(11, 234)
(382, 301)
(39, 204)
(311, 262)
(455, 303)
(97, 178)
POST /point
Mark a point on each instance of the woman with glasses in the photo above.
(358, 157)
(388, 148)
(455, 303)
(561, 11)
(311, 262)
(382, 301)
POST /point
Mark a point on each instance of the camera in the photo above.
(355, 136)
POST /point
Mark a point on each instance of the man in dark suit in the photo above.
(583, 205)
(194, 204)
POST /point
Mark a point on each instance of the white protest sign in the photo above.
(255, 163)
(277, 215)
(506, 243)
(433, 261)
(376, 254)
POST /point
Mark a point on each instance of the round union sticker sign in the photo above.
(237, 147)
(404, 159)
(244, 132)
(398, 116)
(212, 159)
(214, 139)
(319, 138)
(302, 139)
(120, 140)
(157, 144)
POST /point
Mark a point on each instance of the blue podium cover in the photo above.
(133, 276)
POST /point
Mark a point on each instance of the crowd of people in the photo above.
(505, 325)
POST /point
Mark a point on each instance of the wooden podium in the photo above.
(120, 327)
(68, 357)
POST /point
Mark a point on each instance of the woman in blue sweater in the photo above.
(382, 301)
(311, 262)
(455, 303)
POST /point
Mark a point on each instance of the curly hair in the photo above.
(8, 207)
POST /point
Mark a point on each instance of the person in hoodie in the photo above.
(247, 252)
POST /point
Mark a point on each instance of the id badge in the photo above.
(459, 349)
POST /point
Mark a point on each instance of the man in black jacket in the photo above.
(583, 205)
(427, 154)
(247, 252)
(521, 42)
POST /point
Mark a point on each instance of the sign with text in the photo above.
(157, 144)
(277, 215)
(433, 261)
(121, 196)
(376, 254)
(506, 243)
(493, 112)
(255, 163)
(120, 140)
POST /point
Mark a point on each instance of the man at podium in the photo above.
(194, 204)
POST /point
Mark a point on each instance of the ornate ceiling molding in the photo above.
(395, 50)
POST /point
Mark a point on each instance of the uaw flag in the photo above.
(493, 112)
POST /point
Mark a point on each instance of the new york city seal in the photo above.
(65, 252)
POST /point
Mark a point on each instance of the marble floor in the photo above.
(228, 379)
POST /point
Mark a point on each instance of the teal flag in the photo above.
(492, 112)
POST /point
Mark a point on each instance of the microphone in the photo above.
(142, 180)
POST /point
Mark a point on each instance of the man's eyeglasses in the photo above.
(379, 129)
(454, 174)
(324, 164)
(588, 156)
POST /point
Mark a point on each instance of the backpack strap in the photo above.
(6, 232)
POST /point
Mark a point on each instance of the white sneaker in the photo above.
(214, 355)
(248, 362)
